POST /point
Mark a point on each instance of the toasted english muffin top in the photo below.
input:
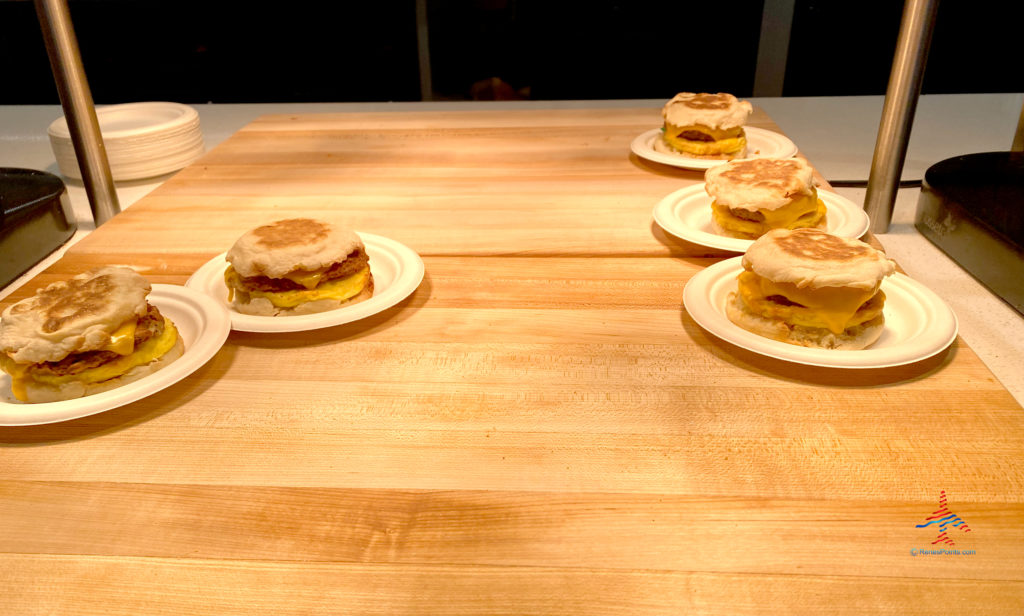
(72, 316)
(712, 110)
(759, 183)
(295, 244)
(815, 258)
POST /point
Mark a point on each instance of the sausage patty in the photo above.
(353, 263)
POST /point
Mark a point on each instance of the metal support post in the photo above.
(898, 113)
(76, 99)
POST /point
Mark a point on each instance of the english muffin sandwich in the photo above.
(92, 333)
(297, 266)
(811, 288)
(705, 126)
(752, 197)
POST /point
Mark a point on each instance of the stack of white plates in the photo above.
(142, 140)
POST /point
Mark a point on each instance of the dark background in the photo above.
(335, 51)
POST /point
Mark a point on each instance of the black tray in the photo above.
(972, 207)
(35, 219)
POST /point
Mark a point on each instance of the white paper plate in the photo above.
(142, 140)
(397, 272)
(761, 143)
(203, 325)
(134, 120)
(918, 324)
(686, 214)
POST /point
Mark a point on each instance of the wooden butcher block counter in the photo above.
(540, 428)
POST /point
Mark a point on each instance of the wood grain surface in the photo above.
(540, 428)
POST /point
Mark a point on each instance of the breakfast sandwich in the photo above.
(810, 288)
(705, 126)
(752, 197)
(297, 266)
(92, 333)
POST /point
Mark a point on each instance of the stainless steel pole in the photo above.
(898, 113)
(76, 99)
(423, 51)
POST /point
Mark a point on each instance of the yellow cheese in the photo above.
(788, 217)
(13, 368)
(17, 372)
(307, 279)
(341, 289)
(18, 389)
(122, 341)
(834, 308)
(804, 212)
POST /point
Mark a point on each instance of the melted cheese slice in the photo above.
(806, 211)
(341, 289)
(307, 279)
(834, 308)
(17, 372)
(122, 341)
(146, 352)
